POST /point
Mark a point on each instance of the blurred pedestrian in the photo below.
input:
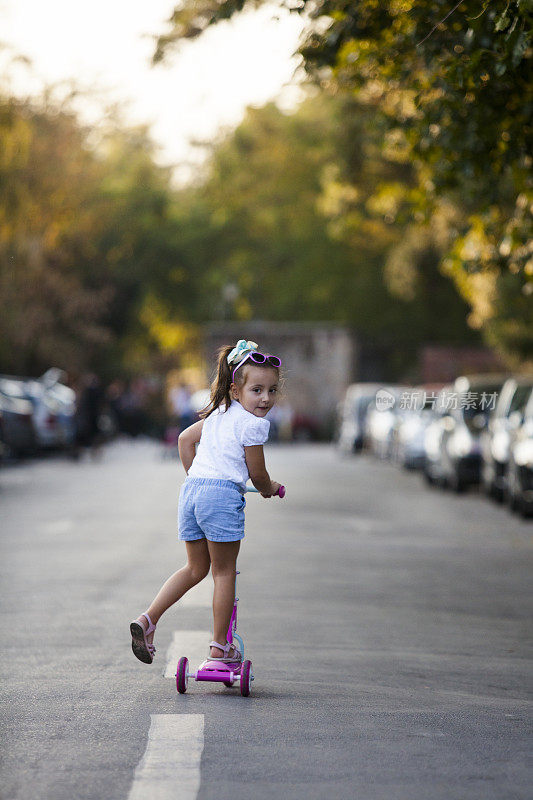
(88, 411)
(281, 422)
(115, 392)
(132, 410)
(180, 400)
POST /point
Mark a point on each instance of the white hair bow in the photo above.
(240, 350)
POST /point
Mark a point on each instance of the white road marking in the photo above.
(56, 527)
(199, 595)
(193, 644)
(170, 767)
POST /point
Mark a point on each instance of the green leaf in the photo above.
(520, 48)
(503, 20)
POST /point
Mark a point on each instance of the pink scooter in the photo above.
(216, 671)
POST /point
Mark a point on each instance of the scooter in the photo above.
(216, 671)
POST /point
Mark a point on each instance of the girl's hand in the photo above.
(274, 489)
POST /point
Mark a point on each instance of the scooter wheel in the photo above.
(229, 684)
(246, 678)
(182, 677)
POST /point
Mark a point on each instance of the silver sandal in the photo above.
(226, 659)
(139, 643)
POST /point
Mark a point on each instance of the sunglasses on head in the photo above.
(258, 358)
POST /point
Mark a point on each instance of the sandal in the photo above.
(226, 659)
(139, 644)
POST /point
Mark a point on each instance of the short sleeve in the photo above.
(255, 432)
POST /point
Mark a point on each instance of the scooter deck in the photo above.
(215, 671)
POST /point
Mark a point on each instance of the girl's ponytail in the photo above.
(220, 388)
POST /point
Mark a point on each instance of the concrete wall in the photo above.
(319, 360)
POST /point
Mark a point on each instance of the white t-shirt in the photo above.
(225, 434)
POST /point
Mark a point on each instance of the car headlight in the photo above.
(461, 443)
(500, 446)
(410, 429)
(432, 442)
(523, 453)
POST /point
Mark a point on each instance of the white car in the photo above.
(382, 419)
(410, 438)
(352, 414)
(54, 408)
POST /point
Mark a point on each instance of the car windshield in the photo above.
(520, 398)
(476, 405)
(12, 388)
(473, 408)
(528, 413)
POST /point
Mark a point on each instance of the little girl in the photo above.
(231, 434)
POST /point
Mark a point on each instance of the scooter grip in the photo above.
(280, 493)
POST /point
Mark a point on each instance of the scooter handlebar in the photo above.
(279, 493)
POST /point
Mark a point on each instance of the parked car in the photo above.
(409, 435)
(352, 416)
(53, 407)
(519, 484)
(54, 410)
(496, 439)
(381, 419)
(453, 447)
(17, 434)
(433, 434)
(305, 428)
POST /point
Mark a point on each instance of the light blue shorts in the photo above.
(211, 508)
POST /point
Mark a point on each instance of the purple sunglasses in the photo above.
(257, 358)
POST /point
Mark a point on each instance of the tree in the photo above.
(49, 314)
(451, 87)
(276, 219)
(91, 274)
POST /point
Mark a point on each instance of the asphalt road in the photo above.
(388, 625)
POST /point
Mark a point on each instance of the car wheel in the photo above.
(497, 494)
(429, 479)
(524, 509)
(456, 484)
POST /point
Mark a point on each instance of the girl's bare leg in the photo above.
(224, 568)
(195, 570)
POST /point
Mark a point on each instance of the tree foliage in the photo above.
(87, 239)
(105, 265)
(451, 88)
(290, 238)
(46, 178)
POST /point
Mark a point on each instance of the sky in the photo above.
(106, 45)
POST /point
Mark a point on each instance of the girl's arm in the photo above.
(186, 443)
(255, 461)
